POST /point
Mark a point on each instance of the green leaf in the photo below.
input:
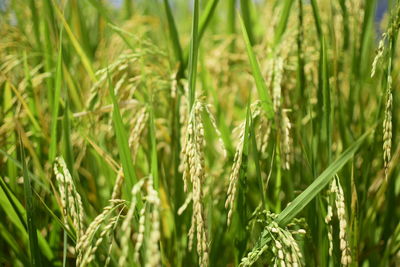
(30, 212)
(11, 206)
(128, 8)
(193, 54)
(75, 43)
(204, 22)
(173, 33)
(56, 219)
(17, 215)
(56, 103)
(231, 17)
(11, 138)
(312, 190)
(258, 78)
(35, 178)
(35, 21)
(207, 15)
(317, 18)
(12, 241)
(247, 24)
(30, 103)
(99, 6)
(327, 113)
(282, 24)
(122, 142)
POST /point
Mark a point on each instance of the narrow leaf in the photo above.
(307, 195)
(122, 142)
(258, 78)
(282, 25)
(30, 212)
(206, 17)
(173, 33)
(56, 104)
(75, 43)
(193, 54)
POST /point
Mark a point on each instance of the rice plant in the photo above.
(199, 133)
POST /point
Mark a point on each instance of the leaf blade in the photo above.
(312, 190)
(258, 78)
(30, 211)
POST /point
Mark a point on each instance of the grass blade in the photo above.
(101, 9)
(17, 215)
(122, 142)
(12, 208)
(36, 179)
(204, 22)
(12, 242)
(317, 18)
(312, 190)
(231, 29)
(206, 17)
(282, 25)
(326, 106)
(193, 54)
(56, 103)
(246, 22)
(176, 45)
(258, 78)
(128, 8)
(30, 211)
(35, 22)
(26, 107)
(56, 219)
(11, 139)
(75, 43)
